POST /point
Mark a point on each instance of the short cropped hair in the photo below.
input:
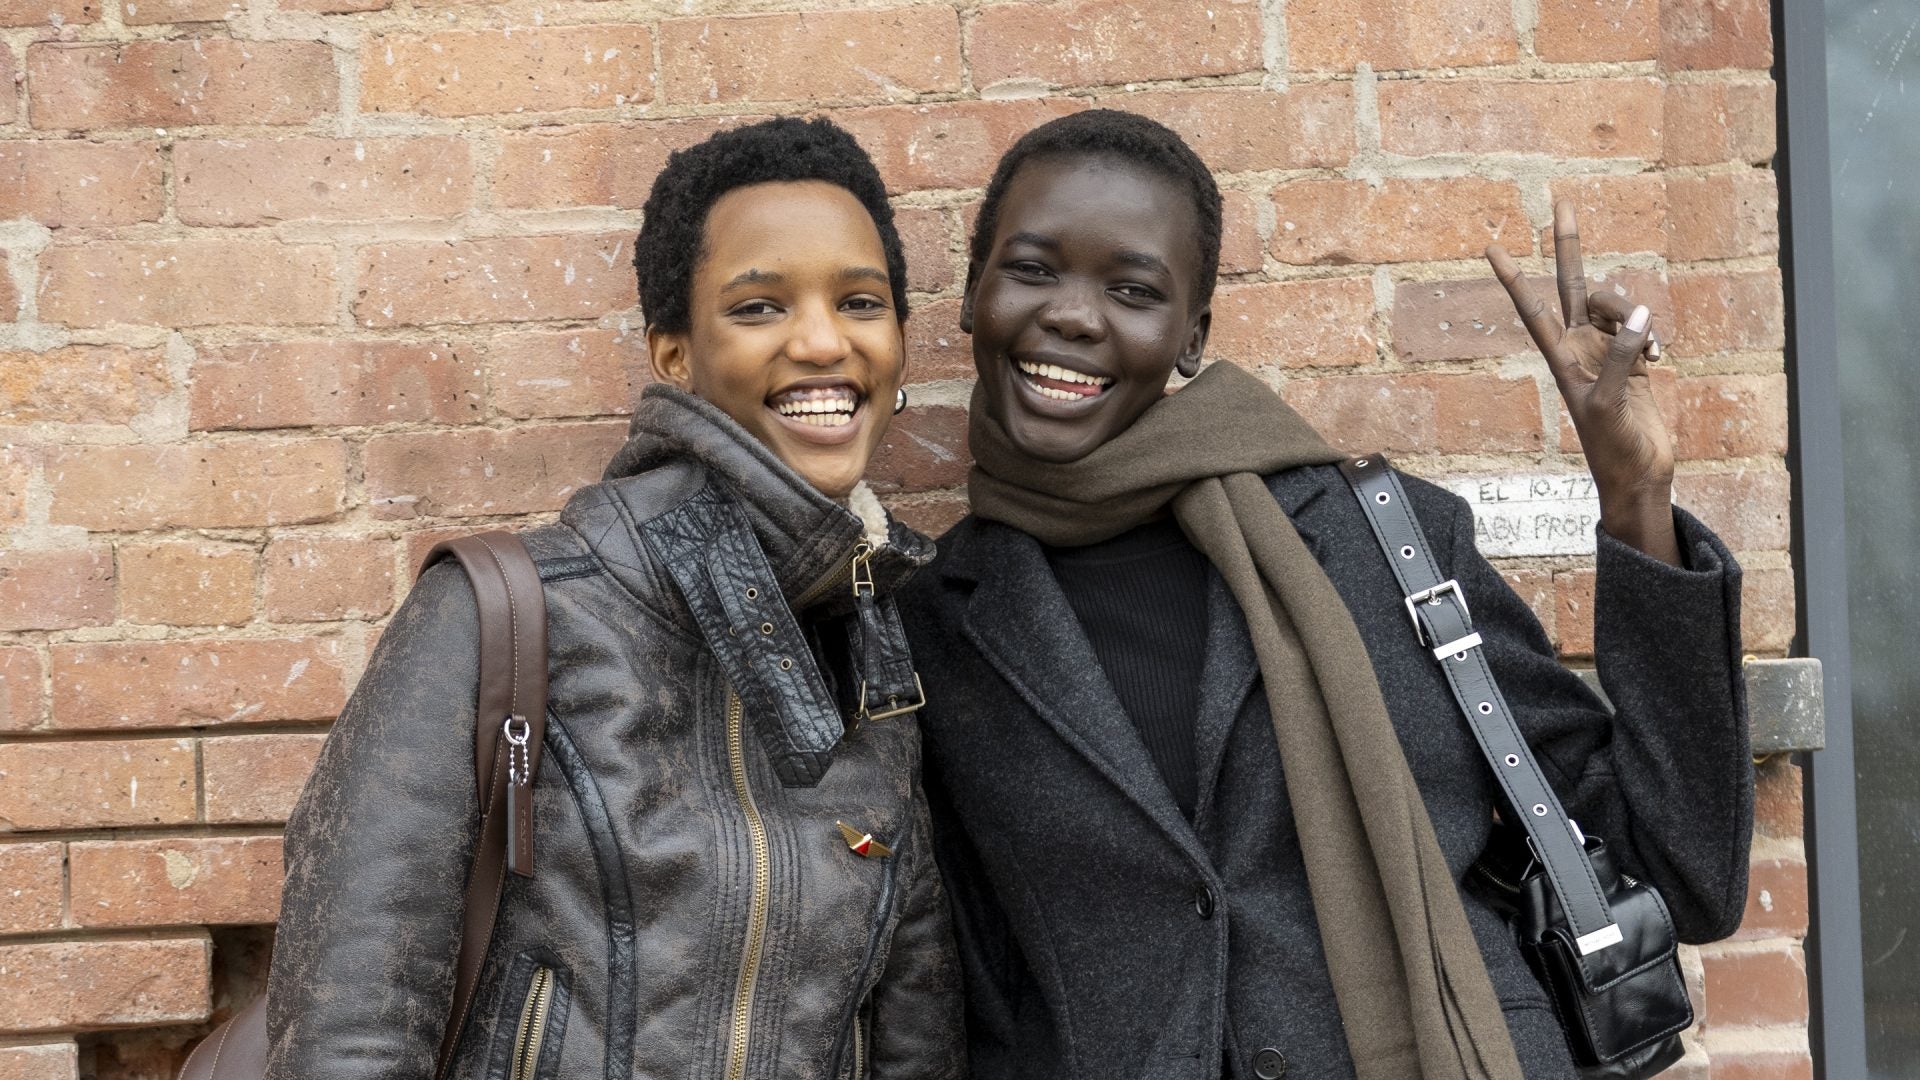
(1129, 139)
(672, 236)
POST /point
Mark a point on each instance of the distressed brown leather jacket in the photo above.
(696, 911)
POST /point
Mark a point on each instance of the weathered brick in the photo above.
(1713, 122)
(1779, 789)
(567, 373)
(1766, 610)
(55, 590)
(925, 448)
(1326, 323)
(179, 283)
(15, 470)
(1242, 250)
(1738, 1064)
(9, 88)
(1756, 987)
(1104, 42)
(32, 884)
(9, 296)
(60, 986)
(64, 183)
(80, 384)
(1308, 127)
(179, 82)
(1573, 612)
(216, 880)
(1776, 900)
(928, 245)
(197, 485)
(931, 514)
(813, 55)
(67, 785)
(1421, 413)
(507, 279)
(1535, 586)
(595, 164)
(1393, 35)
(1585, 118)
(1747, 508)
(40, 1061)
(1350, 221)
(317, 578)
(518, 69)
(1723, 216)
(1616, 213)
(1697, 35)
(280, 384)
(1595, 31)
(463, 473)
(133, 684)
(952, 144)
(1729, 416)
(334, 7)
(260, 181)
(48, 12)
(1719, 311)
(1475, 319)
(186, 583)
(936, 349)
(148, 12)
(256, 778)
(22, 699)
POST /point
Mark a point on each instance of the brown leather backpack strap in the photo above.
(511, 717)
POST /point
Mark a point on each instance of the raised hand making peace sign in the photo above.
(1599, 360)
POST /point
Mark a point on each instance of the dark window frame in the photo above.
(1837, 1018)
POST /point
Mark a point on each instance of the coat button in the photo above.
(1203, 901)
(1269, 1064)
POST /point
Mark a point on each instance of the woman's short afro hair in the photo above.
(670, 244)
(1129, 139)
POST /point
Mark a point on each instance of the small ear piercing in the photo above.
(899, 401)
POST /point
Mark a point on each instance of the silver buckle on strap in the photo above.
(1432, 596)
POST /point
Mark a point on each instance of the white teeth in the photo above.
(1058, 395)
(1060, 374)
(830, 407)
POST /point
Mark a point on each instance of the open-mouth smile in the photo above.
(819, 413)
(1058, 383)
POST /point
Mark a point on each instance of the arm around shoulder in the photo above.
(377, 856)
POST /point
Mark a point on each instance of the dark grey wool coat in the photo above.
(1103, 935)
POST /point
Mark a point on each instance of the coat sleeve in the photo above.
(377, 855)
(1665, 776)
(916, 1024)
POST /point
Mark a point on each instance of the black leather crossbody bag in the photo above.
(1600, 941)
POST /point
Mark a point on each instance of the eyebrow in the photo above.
(773, 277)
(865, 273)
(1131, 258)
(756, 277)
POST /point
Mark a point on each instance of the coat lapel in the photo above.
(1022, 624)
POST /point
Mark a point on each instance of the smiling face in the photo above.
(792, 330)
(1085, 303)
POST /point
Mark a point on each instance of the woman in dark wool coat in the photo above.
(1150, 877)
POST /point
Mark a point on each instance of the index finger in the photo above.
(1534, 314)
(1569, 271)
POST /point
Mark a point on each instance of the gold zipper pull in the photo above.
(863, 570)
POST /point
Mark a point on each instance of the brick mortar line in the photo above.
(172, 733)
(239, 830)
(165, 932)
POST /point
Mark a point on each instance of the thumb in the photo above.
(1623, 354)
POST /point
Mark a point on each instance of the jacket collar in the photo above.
(806, 536)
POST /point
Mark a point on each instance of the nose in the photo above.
(817, 337)
(1074, 314)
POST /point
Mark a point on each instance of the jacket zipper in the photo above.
(860, 1046)
(750, 954)
(533, 1026)
(842, 575)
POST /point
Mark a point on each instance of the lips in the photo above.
(1058, 383)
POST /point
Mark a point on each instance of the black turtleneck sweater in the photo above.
(1141, 597)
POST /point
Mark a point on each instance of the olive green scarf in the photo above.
(1411, 985)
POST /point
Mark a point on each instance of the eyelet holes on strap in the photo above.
(1486, 708)
(766, 628)
(1459, 657)
(1407, 552)
(1513, 761)
(1539, 809)
(1383, 498)
(1360, 464)
(786, 663)
(753, 593)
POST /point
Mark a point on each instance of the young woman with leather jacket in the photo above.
(734, 877)
(1205, 806)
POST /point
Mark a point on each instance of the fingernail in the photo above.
(1637, 321)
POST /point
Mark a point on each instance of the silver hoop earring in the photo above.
(899, 401)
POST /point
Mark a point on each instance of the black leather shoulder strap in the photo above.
(1438, 611)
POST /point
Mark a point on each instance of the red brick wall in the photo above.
(301, 286)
